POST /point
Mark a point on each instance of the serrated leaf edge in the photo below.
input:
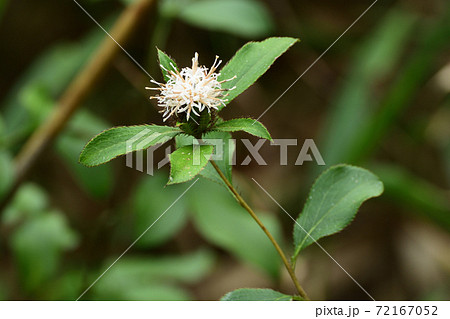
(244, 118)
(170, 174)
(244, 288)
(299, 248)
(111, 128)
(159, 62)
(276, 58)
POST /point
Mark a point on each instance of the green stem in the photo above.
(244, 204)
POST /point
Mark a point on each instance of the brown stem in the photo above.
(242, 202)
(78, 90)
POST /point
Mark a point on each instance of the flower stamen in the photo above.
(191, 90)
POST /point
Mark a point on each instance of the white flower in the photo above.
(191, 90)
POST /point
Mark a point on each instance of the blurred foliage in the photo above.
(6, 172)
(246, 18)
(356, 124)
(6, 165)
(40, 237)
(3, 4)
(38, 245)
(32, 97)
(432, 42)
(403, 187)
(354, 102)
(32, 100)
(148, 278)
(28, 202)
(224, 223)
(57, 237)
(98, 181)
(146, 211)
(437, 131)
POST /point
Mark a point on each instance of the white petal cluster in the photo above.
(191, 90)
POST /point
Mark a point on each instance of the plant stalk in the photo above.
(244, 204)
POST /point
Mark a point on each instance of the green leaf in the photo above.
(255, 294)
(123, 140)
(184, 140)
(68, 286)
(2, 132)
(250, 62)
(97, 181)
(220, 219)
(6, 172)
(166, 64)
(152, 278)
(146, 211)
(246, 18)
(333, 202)
(187, 268)
(223, 160)
(29, 201)
(38, 101)
(153, 291)
(188, 161)
(247, 125)
(38, 246)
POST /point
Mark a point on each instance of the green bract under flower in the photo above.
(191, 90)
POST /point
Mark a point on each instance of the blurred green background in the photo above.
(379, 99)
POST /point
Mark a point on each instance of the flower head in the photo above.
(192, 90)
